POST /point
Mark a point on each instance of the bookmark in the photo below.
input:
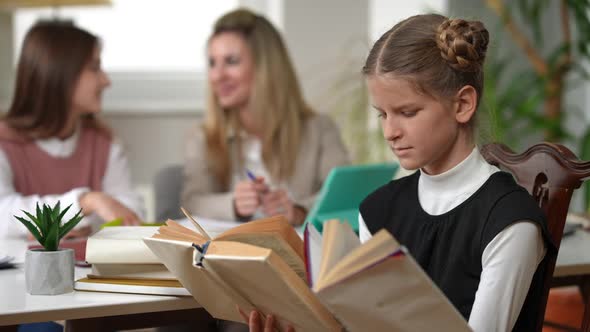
(201, 251)
(199, 228)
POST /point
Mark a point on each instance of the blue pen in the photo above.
(251, 175)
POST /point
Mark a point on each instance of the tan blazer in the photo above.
(321, 150)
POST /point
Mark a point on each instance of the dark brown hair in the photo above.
(53, 55)
(438, 55)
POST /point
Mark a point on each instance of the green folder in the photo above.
(344, 190)
(119, 222)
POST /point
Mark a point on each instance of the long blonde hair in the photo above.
(276, 97)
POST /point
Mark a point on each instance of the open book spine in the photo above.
(206, 287)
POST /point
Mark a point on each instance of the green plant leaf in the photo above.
(47, 226)
(70, 224)
(40, 226)
(580, 9)
(46, 217)
(585, 155)
(44, 226)
(33, 219)
(52, 239)
(55, 212)
(31, 228)
(63, 213)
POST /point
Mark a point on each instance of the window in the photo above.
(154, 51)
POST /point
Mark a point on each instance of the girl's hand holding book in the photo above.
(255, 323)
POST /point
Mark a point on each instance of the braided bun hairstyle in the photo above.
(463, 44)
(438, 55)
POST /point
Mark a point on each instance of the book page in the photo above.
(392, 295)
(272, 233)
(174, 231)
(381, 245)
(338, 241)
(276, 244)
(313, 253)
(265, 280)
(277, 226)
(213, 227)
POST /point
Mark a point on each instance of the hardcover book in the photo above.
(327, 283)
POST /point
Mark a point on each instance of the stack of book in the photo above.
(122, 263)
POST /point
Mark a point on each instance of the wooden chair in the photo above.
(550, 172)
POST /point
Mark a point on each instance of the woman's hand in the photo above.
(279, 202)
(247, 196)
(79, 232)
(107, 208)
(255, 323)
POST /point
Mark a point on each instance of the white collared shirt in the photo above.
(116, 182)
(508, 262)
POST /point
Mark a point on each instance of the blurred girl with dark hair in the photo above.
(52, 145)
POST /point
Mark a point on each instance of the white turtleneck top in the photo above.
(508, 262)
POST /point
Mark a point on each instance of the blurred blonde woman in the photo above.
(261, 150)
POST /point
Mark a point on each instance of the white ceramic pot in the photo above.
(49, 272)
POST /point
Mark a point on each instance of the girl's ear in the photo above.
(465, 104)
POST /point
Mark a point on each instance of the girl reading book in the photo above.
(52, 146)
(479, 236)
(260, 150)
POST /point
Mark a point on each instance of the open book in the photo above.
(330, 282)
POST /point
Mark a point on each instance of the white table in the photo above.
(573, 268)
(574, 255)
(17, 306)
(79, 308)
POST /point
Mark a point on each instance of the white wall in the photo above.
(327, 39)
(6, 72)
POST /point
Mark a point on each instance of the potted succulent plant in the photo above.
(49, 271)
